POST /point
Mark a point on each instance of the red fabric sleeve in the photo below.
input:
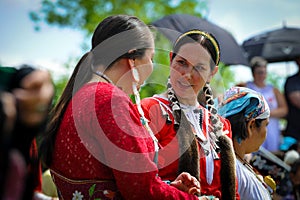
(127, 147)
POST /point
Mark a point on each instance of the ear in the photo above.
(251, 127)
(131, 60)
(131, 63)
(213, 73)
(170, 56)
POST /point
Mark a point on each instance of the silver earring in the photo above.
(135, 75)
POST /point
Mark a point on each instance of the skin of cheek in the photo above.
(183, 71)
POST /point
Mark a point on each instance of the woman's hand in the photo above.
(187, 183)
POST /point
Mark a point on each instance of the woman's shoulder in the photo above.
(155, 100)
(101, 93)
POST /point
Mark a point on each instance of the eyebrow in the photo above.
(197, 64)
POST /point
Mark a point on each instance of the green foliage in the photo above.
(156, 83)
(223, 80)
(276, 80)
(85, 15)
(59, 85)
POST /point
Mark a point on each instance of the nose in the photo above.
(187, 72)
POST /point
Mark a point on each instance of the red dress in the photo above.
(154, 109)
(103, 151)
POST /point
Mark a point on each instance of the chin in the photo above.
(185, 94)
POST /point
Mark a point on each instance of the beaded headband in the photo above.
(206, 35)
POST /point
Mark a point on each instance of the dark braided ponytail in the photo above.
(223, 145)
(188, 148)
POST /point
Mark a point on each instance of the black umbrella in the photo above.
(173, 25)
(275, 46)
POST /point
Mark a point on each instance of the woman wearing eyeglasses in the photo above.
(193, 138)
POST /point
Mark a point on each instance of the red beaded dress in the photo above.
(103, 151)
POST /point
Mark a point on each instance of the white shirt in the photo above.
(249, 187)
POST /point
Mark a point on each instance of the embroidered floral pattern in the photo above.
(77, 195)
(107, 193)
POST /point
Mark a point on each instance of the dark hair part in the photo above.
(239, 125)
(206, 40)
(141, 38)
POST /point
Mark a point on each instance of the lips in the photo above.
(183, 84)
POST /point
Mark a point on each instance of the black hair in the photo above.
(209, 43)
(239, 123)
(105, 51)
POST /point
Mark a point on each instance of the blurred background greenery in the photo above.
(85, 15)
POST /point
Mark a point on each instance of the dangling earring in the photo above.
(135, 74)
(239, 140)
(143, 119)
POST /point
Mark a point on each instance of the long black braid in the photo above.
(188, 148)
(224, 146)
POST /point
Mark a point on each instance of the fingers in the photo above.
(189, 180)
(195, 182)
(178, 184)
(194, 191)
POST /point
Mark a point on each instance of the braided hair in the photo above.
(220, 142)
(223, 145)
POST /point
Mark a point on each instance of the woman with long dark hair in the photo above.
(98, 144)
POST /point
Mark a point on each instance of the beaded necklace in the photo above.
(102, 75)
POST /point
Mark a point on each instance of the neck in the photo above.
(100, 77)
(238, 149)
(259, 84)
(188, 101)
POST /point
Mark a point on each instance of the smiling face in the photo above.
(190, 70)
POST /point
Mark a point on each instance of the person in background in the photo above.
(248, 113)
(275, 99)
(98, 144)
(193, 139)
(26, 95)
(292, 96)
